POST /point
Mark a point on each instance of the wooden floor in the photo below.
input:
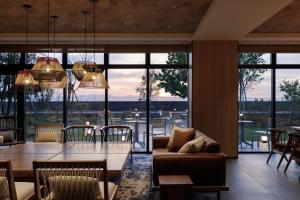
(249, 177)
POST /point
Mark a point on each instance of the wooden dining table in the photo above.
(22, 155)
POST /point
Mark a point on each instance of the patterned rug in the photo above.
(136, 182)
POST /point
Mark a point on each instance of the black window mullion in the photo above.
(273, 92)
(65, 92)
(147, 102)
(106, 62)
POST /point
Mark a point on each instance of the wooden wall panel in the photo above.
(214, 92)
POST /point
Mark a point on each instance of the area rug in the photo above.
(136, 179)
(136, 182)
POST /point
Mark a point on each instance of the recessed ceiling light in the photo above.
(169, 26)
(173, 7)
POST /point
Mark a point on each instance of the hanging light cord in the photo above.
(54, 20)
(27, 31)
(48, 27)
(85, 29)
(95, 32)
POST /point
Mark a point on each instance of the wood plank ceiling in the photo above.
(113, 16)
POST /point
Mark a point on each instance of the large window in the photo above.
(269, 91)
(144, 88)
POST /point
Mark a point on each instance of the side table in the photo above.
(175, 187)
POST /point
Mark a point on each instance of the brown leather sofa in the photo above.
(207, 168)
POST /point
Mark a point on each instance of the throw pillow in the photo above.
(169, 146)
(8, 136)
(193, 146)
(179, 138)
(74, 187)
(47, 137)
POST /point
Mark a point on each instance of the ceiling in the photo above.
(112, 16)
(285, 21)
(153, 21)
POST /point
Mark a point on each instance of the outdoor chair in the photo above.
(279, 140)
(176, 119)
(80, 133)
(294, 143)
(159, 126)
(117, 133)
(10, 189)
(49, 133)
(69, 180)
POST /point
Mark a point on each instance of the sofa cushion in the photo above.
(193, 146)
(8, 136)
(179, 137)
(210, 146)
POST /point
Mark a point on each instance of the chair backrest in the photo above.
(295, 145)
(7, 122)
(7, 184)
(70, 179)
(279, 138)
(55, 129)
(159, 123)
(116, 133)
(80, 133)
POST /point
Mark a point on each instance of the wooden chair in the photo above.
(294, 144)
(8, 130)
(49, 133)
(117, 133)
(80, 180)
(10, 189)
(279, 140)
(80, 133)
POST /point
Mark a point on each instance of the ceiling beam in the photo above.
(101, 38)
(234, 19)
(272, 38)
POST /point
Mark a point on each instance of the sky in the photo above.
(263, 89)
(123, 82)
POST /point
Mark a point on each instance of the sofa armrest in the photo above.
(160, 142)
(205, 169)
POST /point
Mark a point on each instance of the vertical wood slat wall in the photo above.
(214, 92)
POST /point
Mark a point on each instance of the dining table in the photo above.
(22, 155)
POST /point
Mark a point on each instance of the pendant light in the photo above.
(94, 79)
(48, 68)
(24, 78)
(78, 69)
(46, 84)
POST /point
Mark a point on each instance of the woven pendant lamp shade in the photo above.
(55, 84)
(48, 69)
(79, 69)
(25, 78)
(94, 80)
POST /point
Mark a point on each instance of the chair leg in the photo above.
(270, 155)
(280, 161)
(288, 163)
(218, 195)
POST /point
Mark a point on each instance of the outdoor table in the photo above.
(242, 133)
(136, 123)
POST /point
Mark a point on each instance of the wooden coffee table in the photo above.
(175, 187)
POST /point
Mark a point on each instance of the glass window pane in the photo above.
(254, 101)
(10, 58)
(7, 95)
(32, 57)
(73, 57)
(168, 100)
(288, 58)
(85, 105)
(287, 98)
(169, 58)
(44, 106)
(254, 58)
(126, 58)
(127, 105)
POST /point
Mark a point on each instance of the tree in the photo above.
(248, 77)
(291, 91)
(174, 81)
(154, 88)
